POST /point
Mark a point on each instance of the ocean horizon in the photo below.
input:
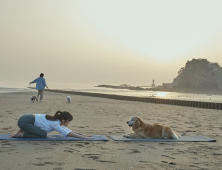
(126, 92)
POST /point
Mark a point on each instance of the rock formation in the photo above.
(198, 74)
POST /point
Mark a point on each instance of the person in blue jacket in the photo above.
(40, 85)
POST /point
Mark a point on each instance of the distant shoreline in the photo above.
(166, 89)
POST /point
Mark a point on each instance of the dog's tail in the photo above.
(175, 136)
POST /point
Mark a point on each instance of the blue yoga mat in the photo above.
(181, 139)
(54, 138)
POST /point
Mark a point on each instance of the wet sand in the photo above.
(94, 115)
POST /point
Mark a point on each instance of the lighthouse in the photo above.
(153, 85)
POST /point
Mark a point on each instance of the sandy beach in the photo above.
(97, 116)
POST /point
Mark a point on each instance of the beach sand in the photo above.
(97, 116)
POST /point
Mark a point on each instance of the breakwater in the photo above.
(188, 103)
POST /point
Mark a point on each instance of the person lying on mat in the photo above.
(38, 125)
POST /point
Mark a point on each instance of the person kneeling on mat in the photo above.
(38, 125)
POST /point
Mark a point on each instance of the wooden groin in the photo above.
(188, 103)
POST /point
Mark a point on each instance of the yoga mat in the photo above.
(55, 138)
(181, 139)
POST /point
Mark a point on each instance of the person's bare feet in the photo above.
(20, 131)
(11, 136)
(16, 135)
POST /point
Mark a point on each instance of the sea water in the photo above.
(156, 94)
(126, 92)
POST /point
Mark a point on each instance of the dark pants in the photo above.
(40, 92)
(26, 124)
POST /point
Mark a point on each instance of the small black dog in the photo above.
(33, 98)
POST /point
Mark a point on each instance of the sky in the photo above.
(84, 42)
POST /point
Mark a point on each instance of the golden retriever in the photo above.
(142, 129)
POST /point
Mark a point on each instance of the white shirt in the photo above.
(50, 125)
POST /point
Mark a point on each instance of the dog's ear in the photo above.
(140, 120)
(137, 123)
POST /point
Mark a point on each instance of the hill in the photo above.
(198, 74)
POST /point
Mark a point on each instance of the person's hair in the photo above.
(41, 75)
(59, 116)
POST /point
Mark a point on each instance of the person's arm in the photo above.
(45, 83)
(67, 132)
(82, 134)
(34, 81)
(75, 135)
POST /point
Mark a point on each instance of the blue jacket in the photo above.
(40, 83)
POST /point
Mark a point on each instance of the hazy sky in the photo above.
(105, 41)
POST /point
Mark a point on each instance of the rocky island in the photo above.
(198, 76)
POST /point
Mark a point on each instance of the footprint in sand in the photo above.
(105, 161)
(7, 128)
(79, 145)
(178, 152)
(171, 163)
(190, 131)
(169, 149)
(49, 163)
(119, 131)
(92, 156)
(144, 161)
(86, 143)
(59, 168)
(6, 144)
(134, 151)
(168, 157)
(81, 127)
(55, 143)
(194, 166)
(49, 148)
(70, 150)
(40, 164)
